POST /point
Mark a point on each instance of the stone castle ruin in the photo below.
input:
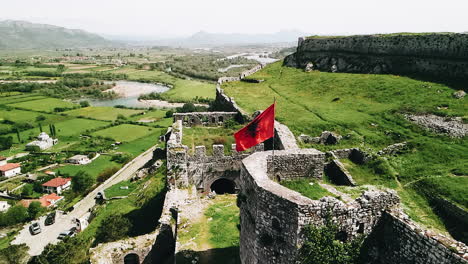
(441, 56)
(273, 217)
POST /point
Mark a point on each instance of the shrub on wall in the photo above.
(323, 245)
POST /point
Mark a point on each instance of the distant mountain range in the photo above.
(16, 34)
(25, 35)
(205, 39)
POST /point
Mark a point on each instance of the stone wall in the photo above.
(396, 239)
(338, 174)
(443, 56)
(204, 118)
(285, 167)
(203, 170)
(273, 216)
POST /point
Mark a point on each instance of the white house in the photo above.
(79, 159)
(10, 169)
(4, 206)
(57, 185)
(43, 142)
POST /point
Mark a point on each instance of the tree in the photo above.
(40, 127)
(40, 118)
(113, 228)
(82, 181)
(16, 214)
(84, 104)
(35, 209)
(72, 250)
(27, 190)
(18, 135)
(14, 254)
(6, 142)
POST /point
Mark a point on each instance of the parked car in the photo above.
(68, 233)
(50, 219)
(35, 228)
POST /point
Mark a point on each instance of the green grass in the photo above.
(207, 136)
(126, 132)
(183, 90)
(20, 98)
(140, 145)
(22, 116)
(115, 189)
(304, 187)
(223, 230)
(45, 105)
(76, 126)
(93, 168)
(367, 109)
(103, 113)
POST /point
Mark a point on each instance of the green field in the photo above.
(367, 109)
(103, 113)
(76, 126)
(142, 144)
(20, 98)
(125, 132)
(44, 105)
(183, 90)
(19, 116)
(93, 168)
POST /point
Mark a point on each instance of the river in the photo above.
(129, 92)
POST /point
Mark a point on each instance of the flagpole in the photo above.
(274, 135)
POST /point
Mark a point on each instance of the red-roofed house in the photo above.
(46, 200)
(10, 169)
(57, 185)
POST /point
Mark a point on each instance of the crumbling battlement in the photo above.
(204, 118)
(443, 56)
(273, 217)
(203, 169)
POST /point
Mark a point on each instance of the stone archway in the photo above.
(132, 258)
(223, 186)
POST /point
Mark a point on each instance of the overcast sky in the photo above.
(184, 17)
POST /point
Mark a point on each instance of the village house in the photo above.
(10, 169)
(79, 159)
(3, 160)
(43, 142)
(4, 206)
(47, 200)
(57, 185)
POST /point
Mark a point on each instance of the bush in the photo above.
(40, 118)
(27, 190)
(113, 228)
(219, 141)
(121, 158)
(6, 142)
(35, 209)
(76, 250)
(84, 104)
(106, 174)
(322, 245)
(14, 215)
(169, 113)
(14, 254)
(82, 182)
(230, 123)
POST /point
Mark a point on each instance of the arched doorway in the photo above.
(222, 186)
(132, 258)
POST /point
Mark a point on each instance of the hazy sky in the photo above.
(183, 17)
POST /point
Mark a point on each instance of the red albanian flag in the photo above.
(257, 131)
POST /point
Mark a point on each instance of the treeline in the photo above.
(203, 66)
(69, 87)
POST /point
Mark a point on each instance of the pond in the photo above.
(129, 92)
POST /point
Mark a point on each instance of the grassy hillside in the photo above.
(368, 111)
(25, 35)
